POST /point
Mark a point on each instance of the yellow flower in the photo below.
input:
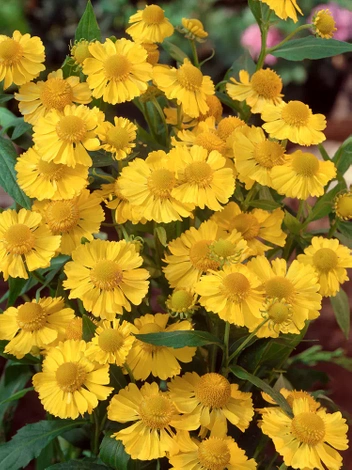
(302, 175)
(65, 137)
(25, 243)
(210, 400)
(118, 71)
(324, 24)
(215, 108)
(235, 294)
(264, 87)
(21, 58)
(74, 329)
(256, 155)
(112, 342)
(343, 205)
(153, 53)
(254, 226)
(309, 439)
(80, 51)
(154, 415)
(47, 180)
(284, 8)
(330, 260)
(118, 139)
(201, 177)
(160, 361)
(294, 121)
(182, 303)
(148, 184)
(194, 29)
(227, 126)
(106, 277)
(187, 85)
(70, 384)
(34, 324)
(149, 25)
(290, 396)
(73, 219)
(36, 99)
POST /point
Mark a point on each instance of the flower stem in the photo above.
(195, 54)
(225, 358)
(324, 153)
(287, 38)
(247, 340)
(130, 373)
(264, 29)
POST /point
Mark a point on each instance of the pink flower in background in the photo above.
(251, 40)
(342, 17)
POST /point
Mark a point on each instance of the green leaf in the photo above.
(88, 27)
(160, 233)
(17, 395)
(259, 10)
(276, 396)
(265, 204)
(4, 97)
(341, 309)
(20, 128)
(311, 47)
(8, 180)
(88, 328)
(101, 159)
(113, 454)
(29, 441)
(343, 156)
(243, 62)
(174, 51)
(345, 228)
(292, 223)
(16, 286)
(324, 205)
(117, 378)
(77, 465)
(180, 339)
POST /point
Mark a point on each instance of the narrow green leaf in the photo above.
(264, 204)
(324, 205)
(174, 51)
(101, 159)
(276, 396)
(113, 454)
(180, 339)
(17, 395)
(88, 27)
(292, 223)
(5, 97)
(243, 62)
(117, 378)
(311, 47)
(88, 328)
(341, 309)
(160, 233)
(77, 465)
(20, 128)
(345, 228)
(16, 285)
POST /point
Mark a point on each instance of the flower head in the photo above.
(324, 24)
(193, 29)
(80, 51)
(284, 8)
(118, 138)
(149, 25)
(343, 205)
(182, 303)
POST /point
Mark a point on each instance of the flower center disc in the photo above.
(269, 154)
(296, 113)
(70, 376)
(344, 206)
(62, 216)
(161, 182)
(56, 93)
(213, 390)
(181, 300)
(190, 77)
(247, 225)
(236, 287)
(31, 317)
(214, 454)
(210, 141)
(279, 287)
(110, 340)
(50, 170)
(308, 428)
(279, 312)
(223, 248)
(199, 173)
(117, 67)
(325, 23)
(325, 259)
(200, 256)
(305, 164)
(153, 14)
(71, 129)
(118, 137)
(20, 239)
(266, 83)
(156, 411)
(227, 125)
(81, 52)
(10, 51)
(106, 275)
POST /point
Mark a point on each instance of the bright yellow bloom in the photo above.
(302, 175)
(284, 8)
(254, 226)
(118, 138)
(193, 29)
(294, 121)
(343, 205)
(21, 58)
(290, 396)
(80, 51)
(235, 294)
(149, 25)
(47, 180)
(118, 71)
(148, 184)
(330, 260)
(74, 329)
(160, 361)
(66, 137)
(73, 219)
(153, 53)
(324, 24)
(264, 87)
(36, 99)
(309, 439)
(70, 384)
(34, 324)
(106, 277)
(187, 85)
(182, 303)
(25, 243)
(112, 342)
(201, 177)
(210, 401)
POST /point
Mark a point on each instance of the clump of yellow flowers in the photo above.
(162, 271)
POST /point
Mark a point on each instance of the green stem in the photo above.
(162, 116)
(95, 437)
(195, 54)
(179, 117)
(252, 192)
(324, 153)
(287, 248)
(300, 210)
(225, 357)
(264, 29)
(332, 228)
(287, 38)
(247, 340)
(130, 373)
(150, 126)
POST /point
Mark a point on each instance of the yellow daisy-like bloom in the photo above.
(187, 85)
(256, 155)
(36, 99)
(309, 439)
(112, 342)
(292, 295)
(235, 294)
(25, 243)
(74, 329)
(182, 303)
(118, 138)
(73, 219)
(148, 184)
(47, 180)
(254, 225)
(330, 260)
(194, 29)
(21, 58)
(160, 361)
(202, 179)
(290, 396)
(229, 248)
(302, 175)
(34, 324)
(215, 108)
(80, 51)
(149, 25)
(294, 121)
(118, 71)
(153, 53)
(70, 384)
(215, 453)
(228, 125)
(64, 137)
(106, 277)
(343, 206)
(324, 24)
(284, 8)
(263, 87)
(211, 401)
(151, 436)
